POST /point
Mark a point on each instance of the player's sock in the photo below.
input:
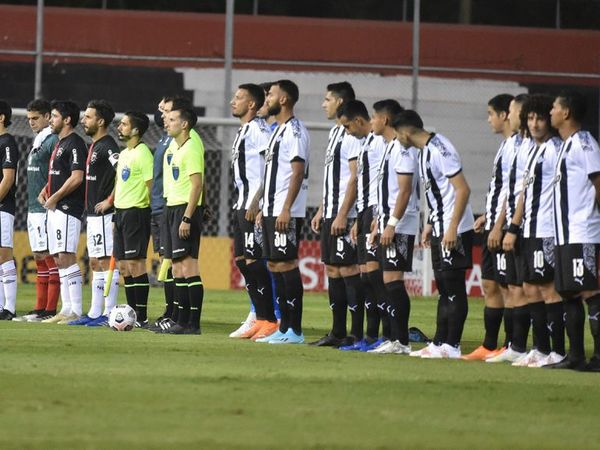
(521, 322)
(492, 319)
(141, 291)
(594, 320)
(263, 289)
(356, 304)
(539, 326)
(274, 299)
(508, 326)
(75, 282)
(113, 295)
(65, 307)
(9, 280)
(370, 307)
(294, 292)
(399, 296)
(196, 298)
(555, 316)
(281, 301)
(183, 301)
(129, 291)
(53, 284)
(97, 295)
(250, 286)
(381, 302)
(441, 323)
(338, 304)
(168, 288)
(458, 305)
(41, 285)
(575, 323)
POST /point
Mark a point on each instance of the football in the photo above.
(122, 318)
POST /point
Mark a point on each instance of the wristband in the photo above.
(393, 221)
(186, 219)
(513, 228)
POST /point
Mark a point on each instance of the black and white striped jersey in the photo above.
(341, 149)
(519, 148)
(438, 162)
(248, 161)
(538, 185)
(367, 167)
(576, 210)
(498, 186)
(398, 160)
(289, 142)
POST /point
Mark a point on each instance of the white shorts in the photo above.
(38, 235)
(100, 236)
(63, 232)
(7, 222)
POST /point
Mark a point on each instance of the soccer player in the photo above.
(64, 199)
(247, 160)
(184, 218)
(355, 119)
(132, 212)
(533, 222)
(284, 207)
(491, 224)
(9, 157)
(450, 230)
(334, 219)
(577, 228)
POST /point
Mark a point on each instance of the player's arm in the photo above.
(338, 227)
(315, 223)
(194, 197)
(8, 179)
(72, 183)
(107, 203)
(405, 185)
(252, 210)
(462, 193)
(510, 239)
(283, 220)
(495, 236)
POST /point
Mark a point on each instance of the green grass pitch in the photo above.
(72, 387)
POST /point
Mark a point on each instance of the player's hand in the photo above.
(354, 232)
(42, 197)
(283, 221)
(373, 232)
(426, 236)
(509, 241)
(184, 230)
(315, 223)
(449, 240)
(258, 219)
(103, 206)
(387, 237)
(494, 241)
(251, 212)
(338, 226)
(479, 224)
(50, 203)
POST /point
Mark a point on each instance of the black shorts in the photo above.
(459, 258)
(493, 263)
(398, 256)
(337, 250)
(156, 230)
(364, 251)
(514, 265)
(576, 267)
(132, 233)
(174, 246)
(246, 237)
(281, 246)
(537, 259)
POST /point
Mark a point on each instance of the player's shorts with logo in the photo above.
(131, 233)
(37, 231)
(364, 251)
(63, 232)
(281, 246)
(100, 235)
(397, 256)
(7, 222)
(514, 264)
(174, 246)
(537, 259)
(247, 237)
(459, 258)
(156, 231)
(576, 267)
(493, 263)
(337, 250)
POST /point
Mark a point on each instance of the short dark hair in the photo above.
(540, 104)
(343, 90)
(39, 105)
(67, 108)
(180, 102)
(390, 107)
(500, 103)
(290, 88)
(187, 114)
(103, 110)
(353, 109)
(6, 110)
(256, 92)
(138, 120)
(266, 85)
(407, 118)
(575, 102)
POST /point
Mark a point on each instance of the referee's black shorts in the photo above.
(132, 233)
(175, 247)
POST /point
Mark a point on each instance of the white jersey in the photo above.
(576, 211)
(438, 162)
(247, 160)
(519, 148)
(538, 183)
(498, 186)
(341, 149)
(289, 142)
(398, 160)
(367, 168)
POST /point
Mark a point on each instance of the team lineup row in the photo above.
(542, 226)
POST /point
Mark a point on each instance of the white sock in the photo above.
(1, 290)
(111, 301)
(75, 282)
(65, 307)
(97, 295)
(9, 279)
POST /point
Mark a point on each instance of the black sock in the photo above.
(441, 321)
(508, 326)
(539, 326)
(594, 318)
(294, 291)
(376, 279)
(555, 317)
(575, 323)
(399, 298)
(263, 291)
(129, 291)
(492, 319)
(458, 305)
(356, 304)
(370, 307)
(142, 289)
(196, 298)
(169, 287)
(250, 285)
(338, 305)
(183, 300)
(521, 322)
(284, 324)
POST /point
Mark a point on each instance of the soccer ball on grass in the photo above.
(122, 318)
